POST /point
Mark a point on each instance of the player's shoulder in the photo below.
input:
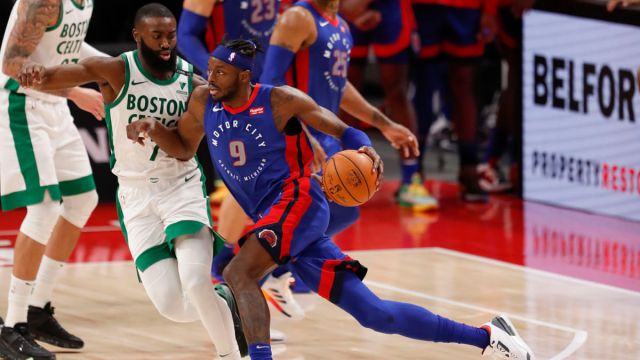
(296, 16)
(200, 94)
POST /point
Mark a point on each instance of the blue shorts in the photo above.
(391, 38)
(449, 31)
(293, 231)
(509, 28)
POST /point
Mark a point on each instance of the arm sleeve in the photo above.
(276, 65)
(191, 29)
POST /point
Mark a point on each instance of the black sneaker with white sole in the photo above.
(46, 328)
(16, 343)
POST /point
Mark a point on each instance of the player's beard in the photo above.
(230, 93)
(152, 57)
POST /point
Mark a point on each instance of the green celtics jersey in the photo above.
(143, 95)
(60, 44)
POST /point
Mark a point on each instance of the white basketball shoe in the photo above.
(504, 342)
(277, 291)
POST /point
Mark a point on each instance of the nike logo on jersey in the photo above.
(217, 108)
(323, 23)
(68, 12)
(134, 83)
(186, 179)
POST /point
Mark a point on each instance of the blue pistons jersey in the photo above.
(266, 171)
(321, 69)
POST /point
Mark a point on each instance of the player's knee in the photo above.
(171, 305)
(236, 275)
(194, 276)
(376, 317)
(40, 219)
(77, 209)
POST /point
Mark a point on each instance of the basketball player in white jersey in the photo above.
(42, 161)
(162, 202)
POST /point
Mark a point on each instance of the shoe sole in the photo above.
(225, 292)
(56, 342)
(504, 323)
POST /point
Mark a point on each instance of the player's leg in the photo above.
(194, 253)
(464, 50)
(80, 198)
(27, 180)
(231, 223)
(337, 278)
(243, 274)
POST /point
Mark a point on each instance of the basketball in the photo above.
(348, 178)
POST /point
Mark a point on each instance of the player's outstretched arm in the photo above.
(399, 136)
(288, 102)
(94, 69)
(180, 142)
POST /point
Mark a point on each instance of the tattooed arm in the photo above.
(34, 16)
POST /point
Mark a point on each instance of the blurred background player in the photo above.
(458, 30)
(43, 160)
(310, 49)
(505, 137)
(164, 214)
(386, 27)
(268, 168)
(203, 24)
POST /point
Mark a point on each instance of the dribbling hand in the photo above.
(378, 165)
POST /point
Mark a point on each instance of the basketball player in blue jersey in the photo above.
(203, 24)
(257, 143)
(310, 49)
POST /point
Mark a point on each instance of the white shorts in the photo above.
(40, 150)
(153, 214)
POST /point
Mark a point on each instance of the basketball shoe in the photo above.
(504, 342)
(277, 291)
(45, 327)
(492, 180)
(17, 343)
(416, 196)
(225, 292)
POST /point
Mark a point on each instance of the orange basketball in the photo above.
(348, 179)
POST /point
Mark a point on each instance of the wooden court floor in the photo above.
(561, 318)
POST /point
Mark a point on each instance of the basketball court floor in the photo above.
(569, 280)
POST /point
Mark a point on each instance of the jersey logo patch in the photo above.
(134, 83)
(256, 111)
(269, 236)
(323, 23)
(232, 56)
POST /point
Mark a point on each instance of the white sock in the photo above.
(47, 277)
(19, 292)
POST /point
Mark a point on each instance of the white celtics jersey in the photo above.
(60, 44)
(142, 95)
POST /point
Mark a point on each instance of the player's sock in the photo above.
(260, 351)
(409, 167)
(18, 301)
(409, 320)
(46, 280)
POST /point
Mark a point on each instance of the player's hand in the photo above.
(31, 75)
(368, 20)
(613, 3)
(88, 100)
(488, 28)
(319, 155)
(139, 130)
(402, 139)
(378, 165)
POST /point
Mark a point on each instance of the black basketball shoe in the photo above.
(46, 328)
(17, 343)
(225, 292)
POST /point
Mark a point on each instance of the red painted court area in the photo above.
(585, 246)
